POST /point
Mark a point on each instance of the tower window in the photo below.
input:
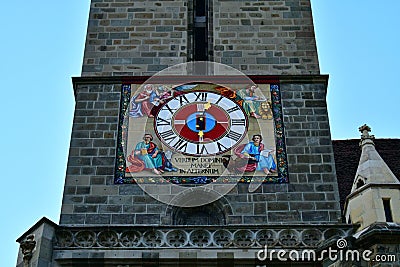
(388, 210)
(200, 30)
(360, 183)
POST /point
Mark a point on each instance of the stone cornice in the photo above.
(282, 79)
(173, 237)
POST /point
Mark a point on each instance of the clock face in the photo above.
(200, 123)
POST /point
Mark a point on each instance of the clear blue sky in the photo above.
(42, 48)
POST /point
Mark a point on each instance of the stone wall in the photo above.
(91, 197)
(134, 37)
(127, 37)
(265, 37)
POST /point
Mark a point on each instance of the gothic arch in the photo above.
(215, 213)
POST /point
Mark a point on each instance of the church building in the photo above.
(201, 138)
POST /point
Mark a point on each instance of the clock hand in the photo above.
(207, 105)
(201, 134)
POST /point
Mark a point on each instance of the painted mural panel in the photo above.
(199, 133)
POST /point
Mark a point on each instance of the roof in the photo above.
(39, 223)
(347, 156)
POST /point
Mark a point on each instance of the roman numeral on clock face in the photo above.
(219, 99)
(167, 107)
(201, 148)
(183, 100)
(232, 109)
(201, 96)
(221, 147)
(162, 122)
(240, 122)
(168, 136)
(181, 145)
(234, 136)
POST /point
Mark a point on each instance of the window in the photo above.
(360, 183)
(200, 34)
(388, 210)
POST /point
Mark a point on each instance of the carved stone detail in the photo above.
(85, 239)
(311, 237)
(335, 233)
(153, 238)
(222, 238)
(194, 237)
(27, 247)
(130, 239)
(176, 238)
(108, 239)
(289, 238)
(266, 238)
(65, 239)
(244, 238)
(200, 238)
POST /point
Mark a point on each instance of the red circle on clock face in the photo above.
(195, 124)
(200, 123)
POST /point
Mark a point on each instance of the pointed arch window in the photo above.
(388, 210)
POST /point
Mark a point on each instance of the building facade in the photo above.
(109, 218)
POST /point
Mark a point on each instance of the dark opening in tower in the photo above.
(200, 30)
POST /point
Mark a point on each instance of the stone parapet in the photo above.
(173, 237)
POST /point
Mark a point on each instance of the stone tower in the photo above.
(109, 220)
(375, 192)
(373, 206)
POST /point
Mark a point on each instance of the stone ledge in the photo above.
(195, 237)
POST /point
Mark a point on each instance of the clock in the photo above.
(200, 123)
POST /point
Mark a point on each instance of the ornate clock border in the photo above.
(279, 174)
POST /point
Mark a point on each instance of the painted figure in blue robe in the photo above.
(258, 158)
(153, 158)
(143, 103)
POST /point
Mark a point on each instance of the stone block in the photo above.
(136, 208)
(82, 190)
(88, 152)
(263, 197)
(122, 200)
(289, 196)
(302, 205)
(104, 170)
(300, 187)
(314, 196)
(232, 53)
(72, 219)
(260, 208)
(119, 35)
(93, 199)
(130, 189)
(326, 205)
(101, 190)
(110, 208)
(288, 216)
(97, 180)
(242, 208)
(313, 216)
(255, 219)
(282, 206)
(99, 161)
(148, 219)
(98, 219)
(85, 208)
